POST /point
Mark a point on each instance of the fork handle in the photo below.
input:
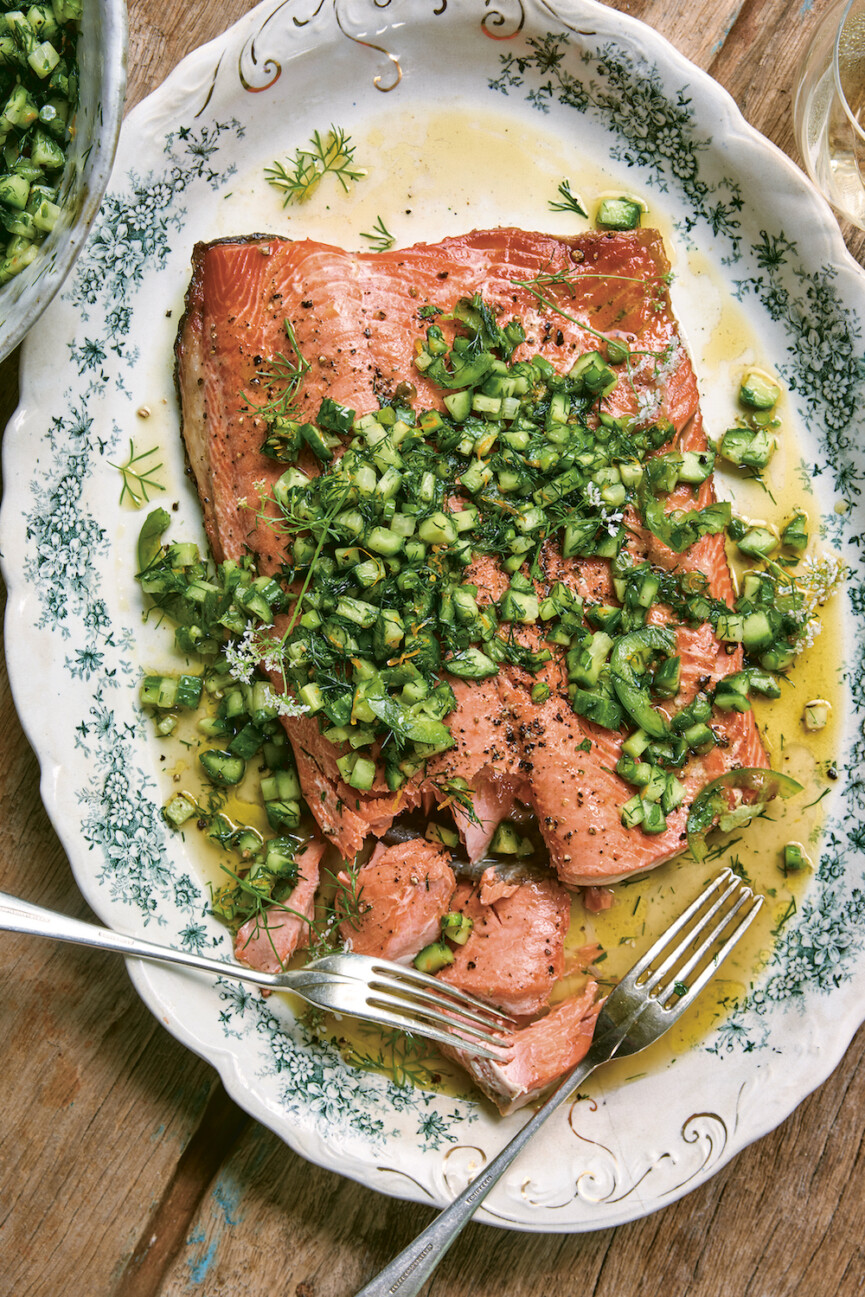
(408, 1272)
(20, 916)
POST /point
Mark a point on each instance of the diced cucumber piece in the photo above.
(594, 373)
(459, 405)
(618, 214)
(816, 714)
(14, 191)
(758, 392)
(283, 814)
(43, 59)
(444, 836)
(795, 533)
(221, 767)
(438, 529)
(471, 664)
(382, 540)
(433, 958)
(45, 152)
(457, 927)
(518, 606)
(311, 697)
(747, 447)
(795, 859)
(178, 809)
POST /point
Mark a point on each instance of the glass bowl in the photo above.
(102, 66)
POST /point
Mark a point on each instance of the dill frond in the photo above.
(138, 479)
(333, 153)
(570, 202)
(379, 236)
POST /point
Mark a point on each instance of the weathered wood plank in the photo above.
(99, 1101)
(785, 1217)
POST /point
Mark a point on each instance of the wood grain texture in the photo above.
(125, 1171)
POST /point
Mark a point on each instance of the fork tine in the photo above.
(667, 938)
(460, 1009)
(350, 997)
(695, 987)
(496, 1054)
(657, 975)
(418, 997)
(723, 922)
(361, 969)
(456, 1029)
(432, 991)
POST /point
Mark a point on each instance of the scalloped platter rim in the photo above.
(612, 96)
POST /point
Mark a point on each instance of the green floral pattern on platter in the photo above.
(641, 106)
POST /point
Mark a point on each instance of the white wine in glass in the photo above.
(830, 110)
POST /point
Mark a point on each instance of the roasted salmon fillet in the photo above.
(533, 729)
(355, 318)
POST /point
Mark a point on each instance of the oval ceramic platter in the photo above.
(463, 116)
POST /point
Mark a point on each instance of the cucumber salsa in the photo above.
(375, 607)
(39, 95)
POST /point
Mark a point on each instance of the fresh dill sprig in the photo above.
(299, 180)
(740, 871)
(258, 906)
(569, 278)
(347, 898)
(456, 790)
(534, 286)
(379, 236)
(138, 480)
(406, 1059)
(570, 202)
(281, 369)
(344, 906)
(785, 918)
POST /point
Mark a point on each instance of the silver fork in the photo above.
(374, 989)
(648, 1000)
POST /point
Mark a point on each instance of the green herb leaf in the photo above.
(299, 180)
(379, 236)
(138, 476)
(570, 202)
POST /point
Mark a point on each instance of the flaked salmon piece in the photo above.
(345, 816)
(493, 887)
(576, 794)
(581, 958)
(598, 899)
(515, 952)
(402, 892)
(493, 797)
(542, 1053)
(268, 943)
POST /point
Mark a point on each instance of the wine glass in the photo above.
(829, 109)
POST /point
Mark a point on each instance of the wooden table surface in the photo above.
(126, 1171)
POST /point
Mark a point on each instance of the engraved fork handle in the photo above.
(21, 916)
(408, 1272)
